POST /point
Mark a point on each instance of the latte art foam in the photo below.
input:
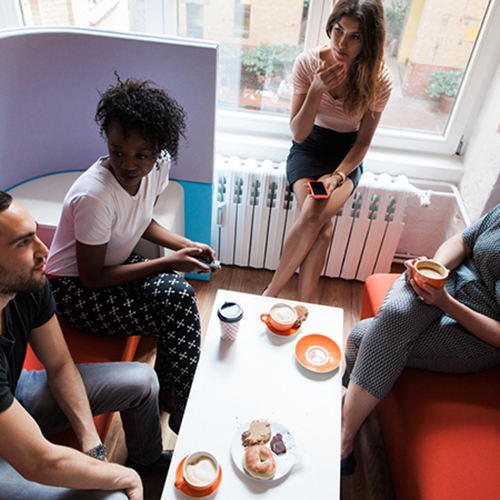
(201, 472)
(283, 314)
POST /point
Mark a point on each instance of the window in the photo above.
(438, 51)
(242, 18)
(194, 20)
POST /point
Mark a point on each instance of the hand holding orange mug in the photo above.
(430, 272)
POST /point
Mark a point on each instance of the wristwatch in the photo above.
(100, 452)
(341, 175)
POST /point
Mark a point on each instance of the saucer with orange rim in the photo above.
(318, 353)
(283, 333)
(190, 492)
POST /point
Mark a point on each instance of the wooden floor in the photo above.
(372, 478)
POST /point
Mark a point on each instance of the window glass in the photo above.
(429, 47)
(259, 41)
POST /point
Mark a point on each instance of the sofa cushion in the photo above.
(86, 348)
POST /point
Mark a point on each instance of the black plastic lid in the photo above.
(230, 312)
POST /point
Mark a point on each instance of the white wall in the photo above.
(480, 185)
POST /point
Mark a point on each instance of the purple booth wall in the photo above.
(49, 83)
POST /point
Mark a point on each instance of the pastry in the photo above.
(277, 445)
(258, 433)
(259, 462)
(302, 314)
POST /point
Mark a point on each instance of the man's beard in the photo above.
(12, 283)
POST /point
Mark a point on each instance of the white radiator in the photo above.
(254, 211)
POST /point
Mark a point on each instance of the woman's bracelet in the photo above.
(341, 175)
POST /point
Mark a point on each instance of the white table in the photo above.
(255, 377)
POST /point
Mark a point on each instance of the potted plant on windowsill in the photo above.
(444, 85)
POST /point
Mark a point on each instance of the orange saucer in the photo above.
(318, 353)
(282, 333)
(190, 492)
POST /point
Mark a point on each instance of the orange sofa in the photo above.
(86, 348)
(441, 432)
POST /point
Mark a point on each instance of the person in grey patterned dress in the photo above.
(452, 329)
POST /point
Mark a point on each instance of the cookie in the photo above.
(258, 433)
(302, 314)
(277, 444)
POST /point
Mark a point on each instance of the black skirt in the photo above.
(321, 153)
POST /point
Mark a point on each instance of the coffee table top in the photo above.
(257, 376)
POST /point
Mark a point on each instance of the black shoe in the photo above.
(348, 465)
(175, 421)
(157, 468)
(167, 401)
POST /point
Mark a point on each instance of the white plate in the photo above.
(284, 462)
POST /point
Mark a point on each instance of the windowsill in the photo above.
(250, 135)
(378, 160)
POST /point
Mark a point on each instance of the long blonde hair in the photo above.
(363, 78)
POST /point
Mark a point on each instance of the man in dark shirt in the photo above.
(36, 404)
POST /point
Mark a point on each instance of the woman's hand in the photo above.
(186, 261)
(206, 252)
(326, 79)
(331, 182)
(430, 295)
(410, 267)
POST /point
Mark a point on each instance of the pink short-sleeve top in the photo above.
(331, 111)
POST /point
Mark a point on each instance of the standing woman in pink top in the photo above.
(340, 91)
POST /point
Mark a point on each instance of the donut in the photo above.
(259, 462)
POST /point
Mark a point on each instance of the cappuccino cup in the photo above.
(281, 317)
(199, 471)
(430, 272)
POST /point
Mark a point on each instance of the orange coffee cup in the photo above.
(199, 471)
(430, 272)
(281, 317)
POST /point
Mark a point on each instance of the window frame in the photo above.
(470, 99)
(243, 131)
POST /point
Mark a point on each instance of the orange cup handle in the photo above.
(180, 483)
(265, 317)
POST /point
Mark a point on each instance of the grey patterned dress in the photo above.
(408, 332)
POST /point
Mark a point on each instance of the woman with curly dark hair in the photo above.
(339, 93)
(100, 285)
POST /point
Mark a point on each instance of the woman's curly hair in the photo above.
(137, 105)
(363, 79)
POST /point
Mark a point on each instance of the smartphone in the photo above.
(212, 264)
(318, 189)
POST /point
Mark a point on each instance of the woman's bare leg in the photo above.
(312, 265)
(314, 214)
(357, 405)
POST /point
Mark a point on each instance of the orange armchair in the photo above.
(440, 431)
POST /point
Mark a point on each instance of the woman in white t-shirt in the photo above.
(100, 285)
(340, 91)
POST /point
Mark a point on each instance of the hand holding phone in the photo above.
(212, 264)
(318, 189)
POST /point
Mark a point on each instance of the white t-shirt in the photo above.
(98, 210)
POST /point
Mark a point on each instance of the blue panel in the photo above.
(198, 215)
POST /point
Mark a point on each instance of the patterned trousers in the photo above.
(163, 305)
(408, 332)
